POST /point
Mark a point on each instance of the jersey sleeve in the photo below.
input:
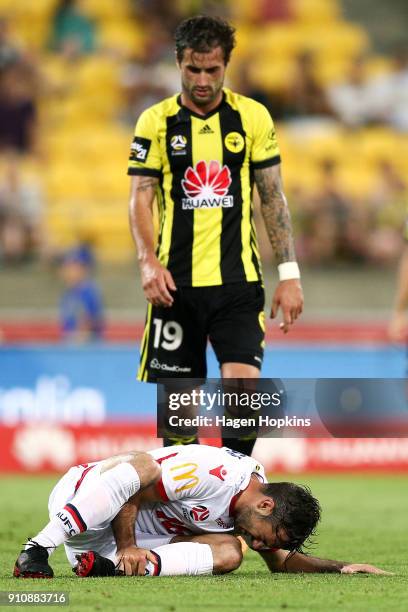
(145, 158)
(265, 151)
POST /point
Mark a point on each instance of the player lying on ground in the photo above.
(174, 511)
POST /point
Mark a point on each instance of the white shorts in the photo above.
(99, 539)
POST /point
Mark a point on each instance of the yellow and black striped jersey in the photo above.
(205, 165)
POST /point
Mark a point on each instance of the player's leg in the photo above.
(199, 555)
(33, 560)
(233, 374)
(237, 333)
(174, 347)
(90, 501)
(224, 549)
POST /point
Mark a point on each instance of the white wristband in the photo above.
(288, 270)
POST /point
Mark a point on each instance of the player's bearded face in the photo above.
(257, 531)
(202, 76)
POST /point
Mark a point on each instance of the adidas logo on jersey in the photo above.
(206, 130)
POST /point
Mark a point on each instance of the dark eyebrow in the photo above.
(196, 69)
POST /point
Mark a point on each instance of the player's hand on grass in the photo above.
(132, 560)
(363, 568)
(157, 282)
(289, 298)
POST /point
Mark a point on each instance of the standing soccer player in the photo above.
(199, 153)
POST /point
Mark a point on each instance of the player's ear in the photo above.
(265, 506)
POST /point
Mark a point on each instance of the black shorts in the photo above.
(175, 339)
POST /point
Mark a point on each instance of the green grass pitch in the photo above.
(365, 518)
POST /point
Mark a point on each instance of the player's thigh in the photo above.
(64, 490)
(237, 327)
(77, 483)
(151, 541)
(174, 341)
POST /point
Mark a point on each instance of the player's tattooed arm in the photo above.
(142, 195)
(283, 561)
(146, 183)
(288, 295)
(275, 213)
(156, 279)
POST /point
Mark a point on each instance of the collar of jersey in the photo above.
(208, 115)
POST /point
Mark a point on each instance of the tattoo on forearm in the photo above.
(276, 214)
(147, 183)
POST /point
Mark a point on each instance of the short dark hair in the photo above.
(296, 512)
(202, 34)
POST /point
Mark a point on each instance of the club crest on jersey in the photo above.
(199, 513)
(178, 144)
(234, 141)
(206, 186)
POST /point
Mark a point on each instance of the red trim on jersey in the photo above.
(84, 473)
(233, 502)
(161, 490)
(76, 516)
(160, 461)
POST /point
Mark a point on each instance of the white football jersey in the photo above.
(199, 488)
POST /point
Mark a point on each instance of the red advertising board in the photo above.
(53, 448)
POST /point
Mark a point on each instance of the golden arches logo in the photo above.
(189, 476)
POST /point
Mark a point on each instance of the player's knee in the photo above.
(147, 468)
(227, 554)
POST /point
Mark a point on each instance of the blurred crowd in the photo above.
(332, 222)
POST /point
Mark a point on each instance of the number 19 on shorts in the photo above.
(168, 336)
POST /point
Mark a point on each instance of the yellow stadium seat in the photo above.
(32, 32)
(28, 8)
(273, 41)
(122, 35)
(316, 10)
(357, 179)
(379, 143)
(273, 75)
(338, 40)
(304, 175)
(330, 72)
(243, 11)
(106, 9)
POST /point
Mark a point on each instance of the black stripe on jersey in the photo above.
(144, 172)
(266, 163)
(232, 267)
(255, 247)
(161, 211)
(182, 232)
